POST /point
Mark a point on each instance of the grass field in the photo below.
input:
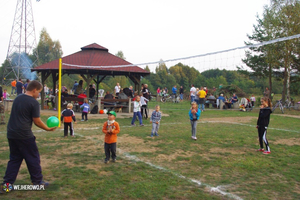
(221, 164)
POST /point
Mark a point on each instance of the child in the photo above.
(252, 99)
(194, 114)
(22, 142)
(67, 116)
(5, 94)
(263, 123)
(155, 120)
(86, 110)
(110, 128)
(144, 105)
(137, 111)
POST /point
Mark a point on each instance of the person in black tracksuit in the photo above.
(263, 123)
(67, 116)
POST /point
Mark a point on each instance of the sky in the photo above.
(145, 31)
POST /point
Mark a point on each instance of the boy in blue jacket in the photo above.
(85, 110)
(194, 115)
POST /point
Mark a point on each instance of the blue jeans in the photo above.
(194, 128)
(202, 107)
(181, 96)
(134, 117)
(13, 90)
(192, 98)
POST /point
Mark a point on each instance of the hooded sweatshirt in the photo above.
(264, 116)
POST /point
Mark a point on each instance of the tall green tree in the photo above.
(280, 19)
(47, 49)
(289, 23)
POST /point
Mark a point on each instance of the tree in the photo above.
(48, 50)
(281, 19)
(120, 55)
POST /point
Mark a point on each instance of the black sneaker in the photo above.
(113, 160)
(106, 161)
(46, 184)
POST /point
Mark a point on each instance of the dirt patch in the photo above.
(285, 115)
(130, 143)
(231, 119)
(289, 142)
(173, 156)
(227, 150)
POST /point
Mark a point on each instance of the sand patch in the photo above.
(289, 142)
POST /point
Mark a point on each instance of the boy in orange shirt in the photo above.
(110, 128)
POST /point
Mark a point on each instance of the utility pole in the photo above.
(21, 44)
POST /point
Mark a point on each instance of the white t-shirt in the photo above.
(143, 100)
(46, 89)
(137, 106)
(193, 91)
(117, 89)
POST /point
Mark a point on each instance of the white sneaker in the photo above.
(193, 137)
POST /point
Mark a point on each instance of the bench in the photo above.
(213, 102)
(76, 107)
(116, 104)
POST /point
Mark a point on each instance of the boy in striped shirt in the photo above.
(68, 116)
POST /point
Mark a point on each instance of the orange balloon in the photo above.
(101, 111)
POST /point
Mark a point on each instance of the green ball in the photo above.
(52, 122)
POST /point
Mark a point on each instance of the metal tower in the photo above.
(21, 44)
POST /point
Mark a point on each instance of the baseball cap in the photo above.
(112, 113)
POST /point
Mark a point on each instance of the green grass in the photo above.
(163, 167)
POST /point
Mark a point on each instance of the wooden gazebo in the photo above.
(92, 63)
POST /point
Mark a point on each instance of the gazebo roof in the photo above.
(95, 55)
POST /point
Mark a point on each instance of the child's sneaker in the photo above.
(105, 161)
(266, 152)
(133, 125)
(151, 135)
(195, 138)
(262, 150)
(113, 160)
(142, 125)
(156, 134)
(82, 120)
(46, 184)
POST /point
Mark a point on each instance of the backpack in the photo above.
(94, 110)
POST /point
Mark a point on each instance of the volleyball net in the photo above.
(228, 59)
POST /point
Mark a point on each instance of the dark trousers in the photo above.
(262, 135)
(84, 114)
(66, 127)
(144, 108)
(19, 150)
(110, 149)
